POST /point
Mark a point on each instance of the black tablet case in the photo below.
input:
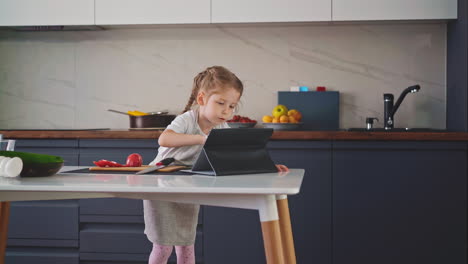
(236, 151)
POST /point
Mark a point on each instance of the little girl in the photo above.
(216, 91)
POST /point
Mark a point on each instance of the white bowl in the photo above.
(283, 126)
(241, 125)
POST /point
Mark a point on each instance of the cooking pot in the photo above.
(152, 120)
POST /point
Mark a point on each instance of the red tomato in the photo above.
(134, 160)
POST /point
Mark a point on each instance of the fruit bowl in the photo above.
(283, 126)
(241, 124)
(239, 121)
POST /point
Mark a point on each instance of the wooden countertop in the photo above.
(277, 135)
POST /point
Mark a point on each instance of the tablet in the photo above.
(233, 151)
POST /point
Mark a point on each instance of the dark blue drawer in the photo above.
(42, 257)
(44, 220)
(100, 247)
(111, 206)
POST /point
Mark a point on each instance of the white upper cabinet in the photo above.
(351, 10)
(238, 11)
(46, 12)
(120, 12)
(134, 12)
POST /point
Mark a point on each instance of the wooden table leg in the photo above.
(287, 239)
(4, 214)
(271, 230)
(272, 242)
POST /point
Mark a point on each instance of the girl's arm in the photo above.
(171, 139)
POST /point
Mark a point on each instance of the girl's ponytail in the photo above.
(197, 81)
(190, 102)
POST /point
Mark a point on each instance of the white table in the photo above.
(266, 193)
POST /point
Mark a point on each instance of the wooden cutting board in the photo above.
(165, 169)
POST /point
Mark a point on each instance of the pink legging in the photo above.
(160, 254)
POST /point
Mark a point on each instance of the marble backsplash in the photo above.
(69, 79)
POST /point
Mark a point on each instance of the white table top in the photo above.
(267, 183)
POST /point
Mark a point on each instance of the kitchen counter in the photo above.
(277, 135)
(425, 178)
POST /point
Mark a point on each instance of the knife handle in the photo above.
(165, 161)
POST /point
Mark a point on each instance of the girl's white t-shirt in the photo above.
(186, 123)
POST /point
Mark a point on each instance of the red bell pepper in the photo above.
(107, 163)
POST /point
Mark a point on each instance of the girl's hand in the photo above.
(203, 139)
(282, 168)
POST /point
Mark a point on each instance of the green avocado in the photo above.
(36, 165)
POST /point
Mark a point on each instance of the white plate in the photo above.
(283, 126)
(240, 125)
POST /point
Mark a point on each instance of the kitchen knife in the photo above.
(163, 163)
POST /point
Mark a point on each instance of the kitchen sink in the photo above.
(402, 129)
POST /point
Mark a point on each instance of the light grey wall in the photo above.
(70, 79)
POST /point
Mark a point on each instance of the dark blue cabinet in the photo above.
(234, 235)
(310, 209)
(111, 229)
(399, 202)
(360, 202)
(65, 148)
(45, 231)
(116, 150)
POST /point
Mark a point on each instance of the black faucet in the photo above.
(390, 109)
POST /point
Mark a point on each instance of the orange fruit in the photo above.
(292, 119)
(267, 119)
(296, 114)
(292, 112)
(284, 119)
(275, 120)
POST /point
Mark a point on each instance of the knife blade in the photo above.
(163, 163)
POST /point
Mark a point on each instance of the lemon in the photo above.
(267, 119)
